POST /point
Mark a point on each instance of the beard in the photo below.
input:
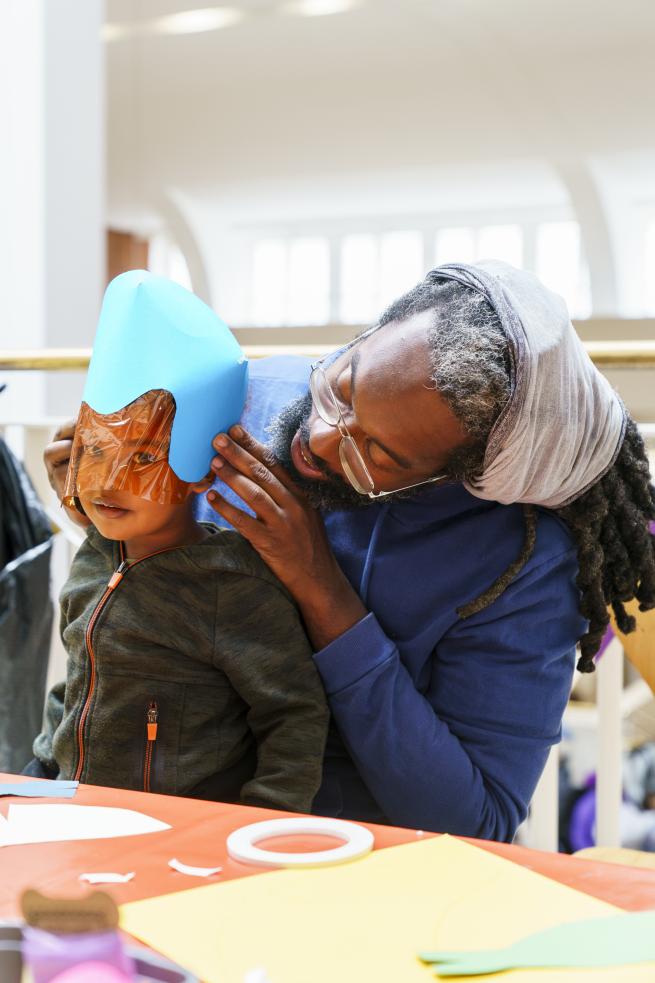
(328, 494)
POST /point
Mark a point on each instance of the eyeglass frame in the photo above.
(340, 424)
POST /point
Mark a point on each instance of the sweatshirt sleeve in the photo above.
(464, 754)
(42, 748)
(262, 647)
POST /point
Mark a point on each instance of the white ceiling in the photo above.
(391, 86)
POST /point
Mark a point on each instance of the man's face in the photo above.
(402, 427)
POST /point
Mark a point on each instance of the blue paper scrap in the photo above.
(40, 789)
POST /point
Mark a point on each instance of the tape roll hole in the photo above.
(300, 843)
(303, 841)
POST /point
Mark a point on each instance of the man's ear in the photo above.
(200, 487)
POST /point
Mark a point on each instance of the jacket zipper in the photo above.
(152, 715)
(113, 583)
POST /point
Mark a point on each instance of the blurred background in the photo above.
(299, 163)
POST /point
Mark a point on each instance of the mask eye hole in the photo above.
(143, 458)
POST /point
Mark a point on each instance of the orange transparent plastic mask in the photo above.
(125, 451)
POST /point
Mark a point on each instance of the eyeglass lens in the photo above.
(353, 466)
(323, 397)
(349, 455)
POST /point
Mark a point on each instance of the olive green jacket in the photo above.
(192, 675)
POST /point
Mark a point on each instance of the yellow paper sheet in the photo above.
(364, 922)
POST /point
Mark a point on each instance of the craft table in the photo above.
(198, 834)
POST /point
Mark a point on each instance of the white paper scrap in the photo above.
(107, 878)
(4, 830)
(193, 871)
(55, 823)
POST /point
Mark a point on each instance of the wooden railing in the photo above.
(605, 354)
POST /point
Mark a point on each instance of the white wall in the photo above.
(52, 207)
(402, 108)
(74, 175)
(22, 288)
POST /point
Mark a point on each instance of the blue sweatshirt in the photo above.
(439, 723)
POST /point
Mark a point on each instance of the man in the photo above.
(444, 623)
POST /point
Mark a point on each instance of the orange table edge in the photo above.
(197, 837)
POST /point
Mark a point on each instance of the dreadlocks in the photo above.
(616, 552)
(609, 523)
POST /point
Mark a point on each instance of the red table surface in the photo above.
(197, 837)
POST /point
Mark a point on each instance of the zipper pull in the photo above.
(117, 575)
(153, 714)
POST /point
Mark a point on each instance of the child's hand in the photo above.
(287, 533)
(56, 457)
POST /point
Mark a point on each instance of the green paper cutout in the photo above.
(619, 940)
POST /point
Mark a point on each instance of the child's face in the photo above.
(122, 477)
(120, 515)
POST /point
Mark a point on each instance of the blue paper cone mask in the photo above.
(154, 334)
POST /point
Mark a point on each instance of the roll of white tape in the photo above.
(357, 841)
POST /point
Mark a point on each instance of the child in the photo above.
(188, 670)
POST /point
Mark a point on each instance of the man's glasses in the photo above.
(352, 462)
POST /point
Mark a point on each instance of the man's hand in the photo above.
(56, 457)
(288, 534)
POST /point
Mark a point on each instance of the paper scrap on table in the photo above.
(40, 789)
(620, 940)
(55, 823)
(108, 878)
(431, 893)
(193, 871)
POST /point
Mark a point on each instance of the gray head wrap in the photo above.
(563, 425)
